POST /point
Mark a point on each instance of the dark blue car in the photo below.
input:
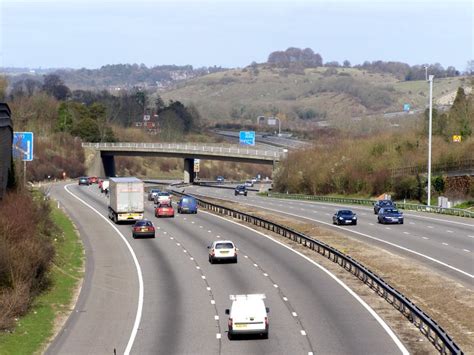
(187, 204)
(390, 215)
(344, 217)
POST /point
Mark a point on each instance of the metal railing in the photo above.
(466, 165)
(366, 202)
(217, 149)
(427, 326)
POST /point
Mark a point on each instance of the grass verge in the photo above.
(33, 331)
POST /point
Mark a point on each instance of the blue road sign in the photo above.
(406, 107)
(247, 137)
(23, 146)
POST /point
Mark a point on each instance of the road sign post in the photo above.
(23, 149)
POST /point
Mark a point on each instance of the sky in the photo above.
(90, 34)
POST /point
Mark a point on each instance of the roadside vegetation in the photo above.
(41, 265)
(367, 165)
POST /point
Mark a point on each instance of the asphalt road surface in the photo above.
(445, 243)
(181, 310)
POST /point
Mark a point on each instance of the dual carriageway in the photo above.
(162, 295)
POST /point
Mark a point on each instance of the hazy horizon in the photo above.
(73, 34)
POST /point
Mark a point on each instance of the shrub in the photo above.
(26, 253)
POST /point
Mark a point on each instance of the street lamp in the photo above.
(285, 151)
(430, 79)
(279, 126)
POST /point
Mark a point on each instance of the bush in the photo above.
(26, 253)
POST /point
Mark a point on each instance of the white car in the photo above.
(248, 315)
(162, 197)
(221, 250)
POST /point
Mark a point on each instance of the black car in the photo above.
(83, 180)
(344, 217)
(382, 203)
(390, 215)
(143, 228)
(240, 190)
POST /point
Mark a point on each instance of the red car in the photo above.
(93, 179)
(164, 210)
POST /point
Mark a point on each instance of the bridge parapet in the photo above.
(190, 148)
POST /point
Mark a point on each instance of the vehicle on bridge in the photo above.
(126, 201)
(220, 179)
(248, 315)
(390, 215)
(93, 179)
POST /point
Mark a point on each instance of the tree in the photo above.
(54, 86)
(438, 184)
(159, 104)
(346, 64)
(470, 67)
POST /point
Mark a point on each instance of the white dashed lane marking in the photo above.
(218, 336)
(431, 227)
(426, 238)
(406, 232)
(448, 231)
(467, 250)
(303, 332)
(445, 244)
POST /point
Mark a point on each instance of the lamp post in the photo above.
(430, 124)
(285, 151)
(279, 126)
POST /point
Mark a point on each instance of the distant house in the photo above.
(6, 141)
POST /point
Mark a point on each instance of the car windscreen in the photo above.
(346, 213)
(224, 246)
(142, 223)
(163, 194)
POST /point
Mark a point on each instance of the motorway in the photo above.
(444, 243)
(162, 296)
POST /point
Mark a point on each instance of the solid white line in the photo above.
(334, 277)
(138, 316)
(379, 240)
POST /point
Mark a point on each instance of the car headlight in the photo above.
(341, 218)
(354, 217)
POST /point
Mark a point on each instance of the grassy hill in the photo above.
(312, 95)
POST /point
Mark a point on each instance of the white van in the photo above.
(248, 315)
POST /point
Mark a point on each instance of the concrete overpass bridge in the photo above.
(103, 163)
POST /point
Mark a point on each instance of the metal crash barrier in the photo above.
(366, 202)
(427, 326)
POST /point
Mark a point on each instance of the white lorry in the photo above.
(126, 201)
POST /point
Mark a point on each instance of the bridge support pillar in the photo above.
(103, 166)
(188, 177)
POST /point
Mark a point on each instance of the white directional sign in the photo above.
(23, 146)
(271, 121)
(197, 165)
